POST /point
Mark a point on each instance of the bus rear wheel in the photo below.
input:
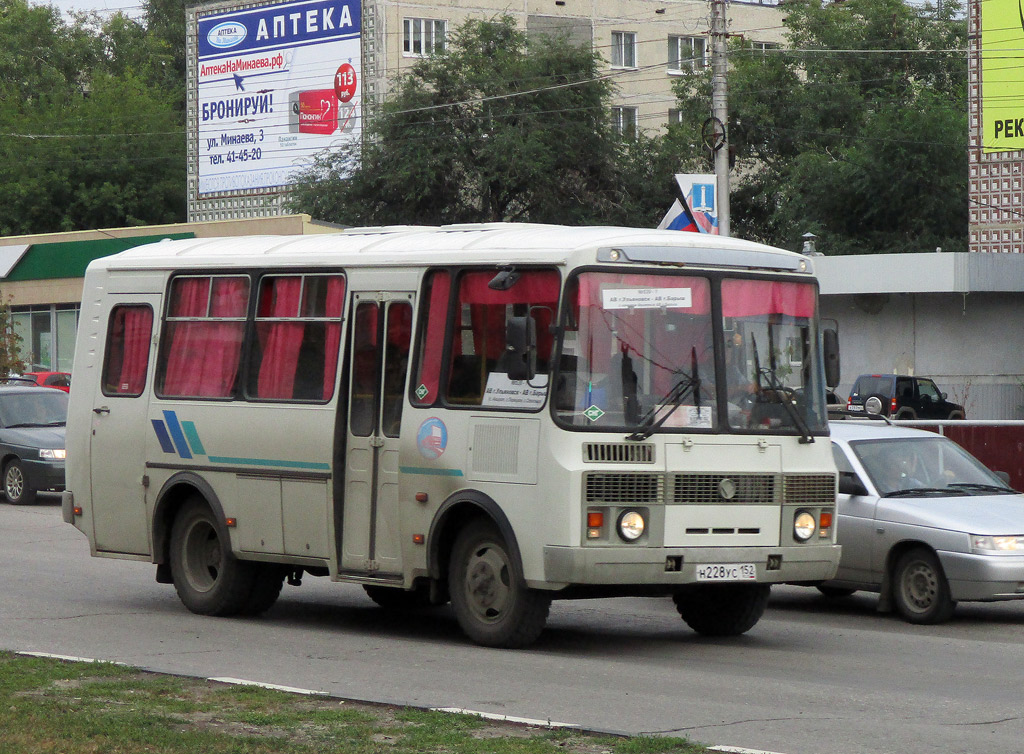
(209, 580)
(491, 601)
(722, 609)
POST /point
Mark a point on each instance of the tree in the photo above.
(91, 132)
(10, 342)
(496, 127)
(857, 132)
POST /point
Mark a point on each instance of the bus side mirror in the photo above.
(521, 348)
(830, 343)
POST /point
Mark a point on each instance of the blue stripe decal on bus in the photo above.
(429, 472)
(268, 462)
(162, 436)
(176, 434)
(193, 438)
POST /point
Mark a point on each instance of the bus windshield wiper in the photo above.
(782, 392)
(686, 383)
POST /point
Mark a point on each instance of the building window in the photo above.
(47, 336)
(624, 121)
(675, 117)
(687, 53)
(763, 47)
(623, 49)
(423, 36)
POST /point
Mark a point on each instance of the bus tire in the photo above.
(209, 580)
(17, 489)
(394, 598)
(491, 601)
(722, 609)
(266, 589)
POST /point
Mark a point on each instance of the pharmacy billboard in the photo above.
(1002, 82)
(274, 85)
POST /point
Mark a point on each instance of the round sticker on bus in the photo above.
(432, 438)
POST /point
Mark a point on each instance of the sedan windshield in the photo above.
(919, 466)
(37, 408)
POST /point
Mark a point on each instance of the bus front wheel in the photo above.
(209, 580)
(722, 609)
(491, 601)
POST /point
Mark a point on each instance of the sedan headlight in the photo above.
(804, 526)
(631, 526)
(53, 454)
(985, 544)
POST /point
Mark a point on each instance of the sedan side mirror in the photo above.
(850, 484)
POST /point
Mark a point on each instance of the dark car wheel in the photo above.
(16, 485)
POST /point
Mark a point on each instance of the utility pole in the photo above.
(720, 109)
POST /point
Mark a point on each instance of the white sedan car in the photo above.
(922, 522)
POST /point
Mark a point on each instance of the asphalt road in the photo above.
(813, 677)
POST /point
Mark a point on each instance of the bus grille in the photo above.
(809, 489)
(617, 452)
(626, 489)
(741, 489)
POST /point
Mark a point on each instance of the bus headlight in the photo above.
(631, 526)
(52, 454)
(804, 526)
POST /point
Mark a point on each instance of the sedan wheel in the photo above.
(920, 590)
(16, 486)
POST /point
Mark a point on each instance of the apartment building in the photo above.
(645, 43)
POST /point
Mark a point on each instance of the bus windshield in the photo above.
(638, 353)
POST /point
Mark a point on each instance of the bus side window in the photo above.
(126, 360)
(431, 338)
(297, 335)
(477, 341)
(202, 339)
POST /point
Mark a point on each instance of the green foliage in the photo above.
(10, 342)
(91, 123)
(496, 127)
(857, 132)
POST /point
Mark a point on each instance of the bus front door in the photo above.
(378, 360)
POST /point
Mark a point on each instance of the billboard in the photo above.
(1002, 86)
(275, 84)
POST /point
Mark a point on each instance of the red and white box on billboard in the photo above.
(314, 111)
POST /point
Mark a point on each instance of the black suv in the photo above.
(901, 397)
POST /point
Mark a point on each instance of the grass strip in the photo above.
(50, 706)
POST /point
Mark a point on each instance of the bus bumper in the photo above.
(622, 566)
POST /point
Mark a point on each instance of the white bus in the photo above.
(493, 415)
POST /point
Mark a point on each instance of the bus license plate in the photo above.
(731, 572)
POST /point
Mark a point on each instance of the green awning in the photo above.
(68, 259)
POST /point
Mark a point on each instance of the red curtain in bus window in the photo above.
(335, 306)
(748, 298)
(279, 297)
(138, 331)
(203, 357)
(487, 307)
(433, 338)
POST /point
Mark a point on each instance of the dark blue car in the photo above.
(31, 441)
